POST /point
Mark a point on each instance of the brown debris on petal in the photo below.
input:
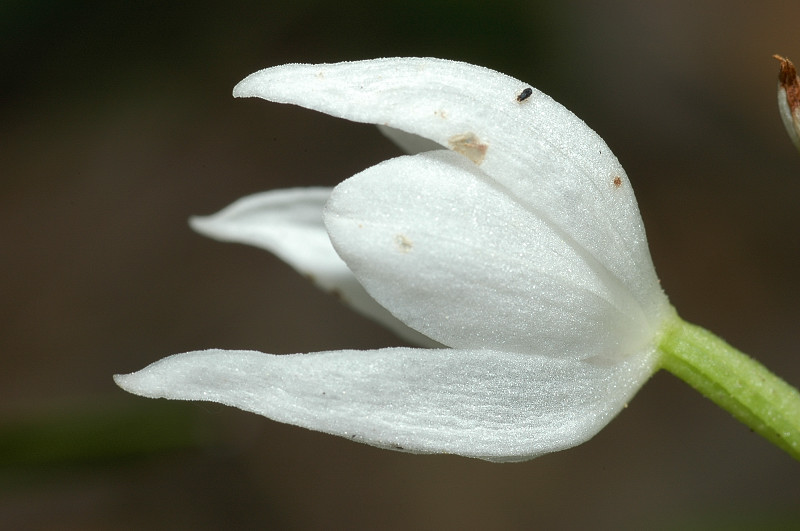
(404, 245)
(468, 145)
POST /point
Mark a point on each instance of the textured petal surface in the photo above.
(538, 150)
(459, 258)
(488, 404)
(288, 223)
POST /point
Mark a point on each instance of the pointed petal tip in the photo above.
(197, 222)
(138, 383)
(244, 88)
(240, 90)
(127, 382)
(202, 224)
(253, 84)
(158, 379)
(217, 228)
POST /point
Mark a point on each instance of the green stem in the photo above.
(734, 381)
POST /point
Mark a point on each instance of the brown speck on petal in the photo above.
(469, 145)
(403, 243)
(617, 181)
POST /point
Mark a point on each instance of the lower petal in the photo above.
(493, 405)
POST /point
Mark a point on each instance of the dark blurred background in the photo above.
(117, 124)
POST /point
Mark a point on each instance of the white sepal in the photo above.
(494, 405)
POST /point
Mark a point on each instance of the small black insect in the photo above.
(525, 94)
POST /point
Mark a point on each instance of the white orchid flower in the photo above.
(517, 255)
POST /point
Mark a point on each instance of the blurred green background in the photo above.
(117, 124)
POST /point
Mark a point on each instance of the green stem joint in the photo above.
(734, 381)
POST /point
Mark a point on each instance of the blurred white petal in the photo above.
(288, 223)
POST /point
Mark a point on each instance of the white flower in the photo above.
(519, 252)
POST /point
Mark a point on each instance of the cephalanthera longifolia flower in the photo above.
(514, 253)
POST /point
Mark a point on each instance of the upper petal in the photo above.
(288, 223)
(537, 149)
(457, 257)
(493, 405)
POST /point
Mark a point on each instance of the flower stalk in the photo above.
(734, 381)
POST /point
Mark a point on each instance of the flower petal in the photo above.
(493, 405)
(288, 223)
(542, 153)
(458, 258)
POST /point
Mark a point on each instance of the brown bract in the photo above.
(789, 81)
